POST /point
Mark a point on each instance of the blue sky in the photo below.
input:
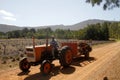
(52, 12)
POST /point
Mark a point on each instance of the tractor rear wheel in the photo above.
(24, 65)
(46, 67)
(66, 56)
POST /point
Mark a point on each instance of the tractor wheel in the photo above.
(66, 56)
(24, 65)
(87, 55)
(46, 67)
(89, 48)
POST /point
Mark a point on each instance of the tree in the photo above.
(59, 33)
(92, 32)
(114, 30)
(105, 31)
(24, 32)
(44, 32)
(32, 30)
(97, 32)
(81, 34)
(13, 34)
(107, 4)
(2, 34)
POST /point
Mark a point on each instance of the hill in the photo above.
(6, 28)
(76, 26)
(87, 22)
(80, 25)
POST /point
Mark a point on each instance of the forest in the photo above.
(99, 31)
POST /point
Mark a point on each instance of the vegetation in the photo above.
(103, 31)
(107, 4)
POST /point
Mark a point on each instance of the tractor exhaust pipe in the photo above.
(33, 42)
(47, 40)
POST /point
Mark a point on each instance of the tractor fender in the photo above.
(65, 47)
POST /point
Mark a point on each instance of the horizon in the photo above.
(45, 13)
(55, 24)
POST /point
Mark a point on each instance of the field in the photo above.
(102, 65)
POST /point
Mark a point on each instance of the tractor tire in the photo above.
(46, 67)
(66, 56)
(24, 65)
(89, 48)
(87, 55)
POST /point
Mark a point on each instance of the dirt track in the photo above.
(102, 65)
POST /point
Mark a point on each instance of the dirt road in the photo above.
(102, 65)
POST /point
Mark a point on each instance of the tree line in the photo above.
(99, 31)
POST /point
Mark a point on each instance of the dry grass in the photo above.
(11, 50)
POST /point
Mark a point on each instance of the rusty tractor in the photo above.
(42, 54)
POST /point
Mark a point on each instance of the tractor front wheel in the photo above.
(46, 67)
(24, 65)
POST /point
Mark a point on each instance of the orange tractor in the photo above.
(42, 54)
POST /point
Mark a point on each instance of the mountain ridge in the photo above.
(77, 26)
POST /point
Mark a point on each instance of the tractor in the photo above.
(42, 54)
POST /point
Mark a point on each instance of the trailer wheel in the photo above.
(46, 67)
(66, 56)
(89, 48)
(24, 65)
(87, 55)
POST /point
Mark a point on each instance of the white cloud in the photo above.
(5, 13)
(9, 18)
